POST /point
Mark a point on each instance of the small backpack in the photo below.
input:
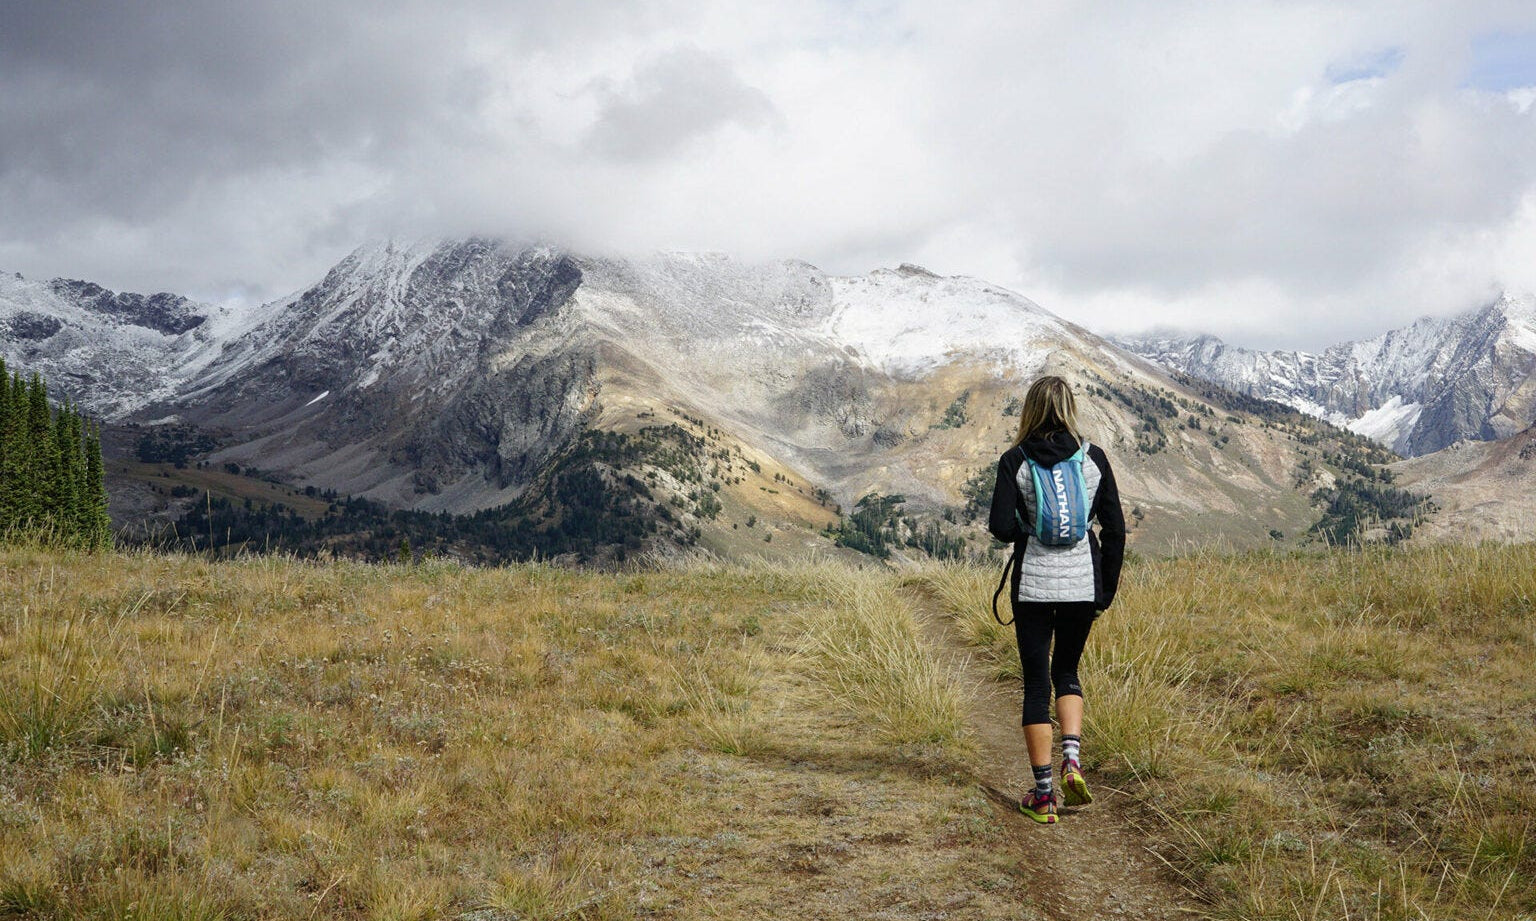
(1061, 511)
(1061, 501)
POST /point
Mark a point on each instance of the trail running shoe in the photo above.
(1039, 806)
(1074, 787)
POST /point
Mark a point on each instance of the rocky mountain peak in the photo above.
(166, 313)
(1416, 389)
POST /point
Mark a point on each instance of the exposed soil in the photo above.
(1091, 863)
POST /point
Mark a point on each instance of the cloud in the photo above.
(672, 100)
(1277, 173)
(1205, 166)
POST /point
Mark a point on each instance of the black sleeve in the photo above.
(1003, 521)
(1106, 508)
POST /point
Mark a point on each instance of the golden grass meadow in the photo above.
(271, 738)
(1328, 735)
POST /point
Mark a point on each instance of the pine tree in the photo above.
(7, 451)
(98, 524)
(35, 465)
(17, 476)
(63, 455)
(74, 451)
(80, 480)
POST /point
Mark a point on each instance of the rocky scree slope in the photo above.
(1482, 489)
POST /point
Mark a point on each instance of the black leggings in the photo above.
(1034, 622)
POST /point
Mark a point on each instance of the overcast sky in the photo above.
(1280, 174)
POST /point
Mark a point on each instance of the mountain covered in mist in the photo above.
(1418, 389)
(549, 401)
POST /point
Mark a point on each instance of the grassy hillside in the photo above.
(1341, 735)
(1317, 736)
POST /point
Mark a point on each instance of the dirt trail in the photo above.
(1090, 864)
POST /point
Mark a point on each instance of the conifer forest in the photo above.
(51, 486)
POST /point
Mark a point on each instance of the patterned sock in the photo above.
(1042, 779)
(1070, 747)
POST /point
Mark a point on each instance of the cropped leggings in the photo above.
(1035, 622)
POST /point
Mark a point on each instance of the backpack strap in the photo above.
(1082, 485)
(1037, 482)
(1008, 569)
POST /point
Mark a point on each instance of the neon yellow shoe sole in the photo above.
(1042, 811)
(1075, 789)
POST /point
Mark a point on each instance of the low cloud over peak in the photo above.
(1276, 174)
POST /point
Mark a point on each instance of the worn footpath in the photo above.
(1091, 863)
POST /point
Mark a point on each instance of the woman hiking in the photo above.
(1049, 491)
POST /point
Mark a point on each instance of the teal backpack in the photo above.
(1061, 501)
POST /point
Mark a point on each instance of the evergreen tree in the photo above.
(97, 524)
(34, 486)
(18, 475)
(7, 452)
(63, 457)
(78, 474)
(51, 473)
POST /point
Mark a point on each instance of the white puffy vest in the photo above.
(1056, 573)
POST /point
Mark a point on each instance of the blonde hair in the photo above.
(1049, 406)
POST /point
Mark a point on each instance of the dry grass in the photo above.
(867, 649)
(1315, 736)
(1342, 735)
(271, 738)
(965, 592)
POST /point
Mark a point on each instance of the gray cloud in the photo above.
(1322, 208)
(1276, 173)
(121, 111)
(149, 143)
(672, 100)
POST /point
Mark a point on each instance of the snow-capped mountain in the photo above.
(456, 376)
(1417, 389)
(112, 352)
(445, 375)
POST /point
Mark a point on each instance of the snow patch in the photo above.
(318, 398)
(910, 324)
(1522, 334)
(1313, 408)
(1390, 422)
(1524, 338)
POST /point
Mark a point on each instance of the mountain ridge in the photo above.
(1417, 389)
(484, 377)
